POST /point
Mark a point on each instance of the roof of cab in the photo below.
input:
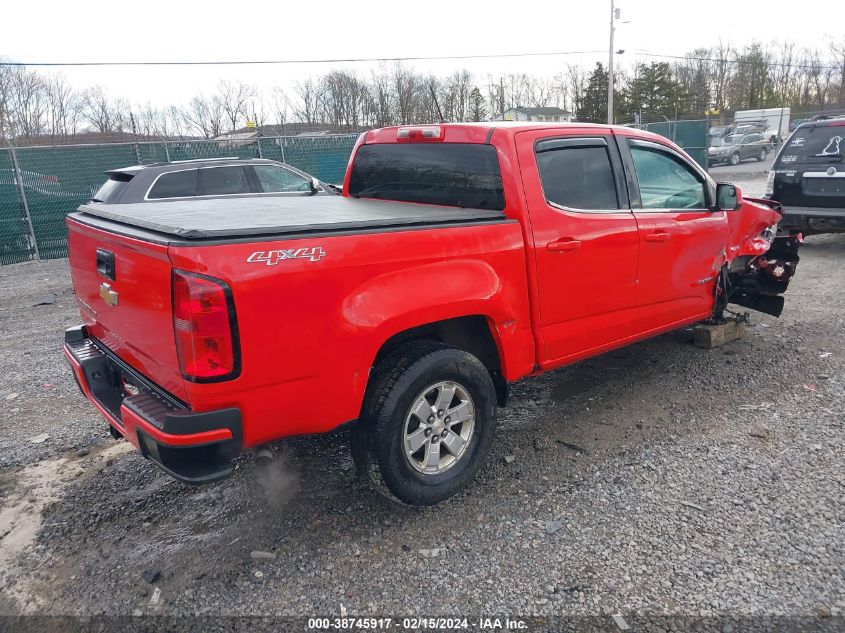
(481, 132)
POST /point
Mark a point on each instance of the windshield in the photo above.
(814, 144)
(733, 139)
(451, 174)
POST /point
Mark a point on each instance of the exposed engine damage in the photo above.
(760, 273)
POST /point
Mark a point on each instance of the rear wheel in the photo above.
(735, 158)
(763, 154)
(427, 424)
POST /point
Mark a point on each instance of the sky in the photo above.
(154, 30)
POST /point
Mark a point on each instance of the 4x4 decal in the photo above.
(271, 258)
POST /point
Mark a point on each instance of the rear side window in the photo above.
(814, 144)
(279, 180)
(577, 174)
(223, 181)
(451, 174)
(112, 189)
(176, 184)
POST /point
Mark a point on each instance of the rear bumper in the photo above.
(813, 219)
(190, 446)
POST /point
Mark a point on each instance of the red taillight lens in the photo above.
(204, 324)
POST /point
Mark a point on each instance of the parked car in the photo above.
(738, 147)
(207, 178)
(717, 133)
(460, 258)
(808, 178)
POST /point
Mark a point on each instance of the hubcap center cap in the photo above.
(439, 426)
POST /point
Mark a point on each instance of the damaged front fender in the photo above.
(764, 278)
(759, 273)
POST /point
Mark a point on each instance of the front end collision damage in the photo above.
(760, 272)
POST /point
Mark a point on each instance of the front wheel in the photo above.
(427, 424)
(735, 158)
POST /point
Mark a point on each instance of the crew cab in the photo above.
(460, 258)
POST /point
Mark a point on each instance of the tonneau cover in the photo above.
(232, 217)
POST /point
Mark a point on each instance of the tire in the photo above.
(763, 154)
(735, 158)
(380, 439)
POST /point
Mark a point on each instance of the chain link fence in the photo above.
(691, 135)
(39, 186)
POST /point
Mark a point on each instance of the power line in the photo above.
(348, 60)
(733, 61)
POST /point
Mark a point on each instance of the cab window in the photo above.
(576, 173)
(666, 181)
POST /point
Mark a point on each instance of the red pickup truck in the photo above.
(461, 257)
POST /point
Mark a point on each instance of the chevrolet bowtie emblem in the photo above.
(108, 295)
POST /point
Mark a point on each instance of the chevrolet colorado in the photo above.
(460, 257)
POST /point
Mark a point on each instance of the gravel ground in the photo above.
(660, 479)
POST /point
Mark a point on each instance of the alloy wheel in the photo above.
(439, 427)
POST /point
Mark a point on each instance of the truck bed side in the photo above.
(311, 327)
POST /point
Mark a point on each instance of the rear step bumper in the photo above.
(192, 447)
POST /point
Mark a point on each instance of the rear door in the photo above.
(682, 240)
(585, 239)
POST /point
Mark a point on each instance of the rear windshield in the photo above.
(112, 189)
(814, 144)
(451, 174)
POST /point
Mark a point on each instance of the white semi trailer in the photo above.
(776, 121)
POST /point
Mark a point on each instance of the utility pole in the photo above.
(610, 66)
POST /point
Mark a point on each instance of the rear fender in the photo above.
(439, 291)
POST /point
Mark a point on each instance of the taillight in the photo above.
(205, 328)
(770, 184)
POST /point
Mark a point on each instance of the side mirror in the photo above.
(728, 197)
(315, 185)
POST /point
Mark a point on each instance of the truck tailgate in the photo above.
(123, 289)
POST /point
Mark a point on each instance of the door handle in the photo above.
(564, 245)
(657, 236)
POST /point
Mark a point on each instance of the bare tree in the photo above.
(407, 90)
(105, 115)
(308, 92)
(382, 101)
(204, 116)
(27, 103)
(64, 107)
(234, 99)
(5, 101)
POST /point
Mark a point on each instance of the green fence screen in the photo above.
(690, 135)
(56, 180)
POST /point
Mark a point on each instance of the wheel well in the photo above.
(469, 333)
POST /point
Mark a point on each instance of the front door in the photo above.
(682, 239)
(585, 240)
